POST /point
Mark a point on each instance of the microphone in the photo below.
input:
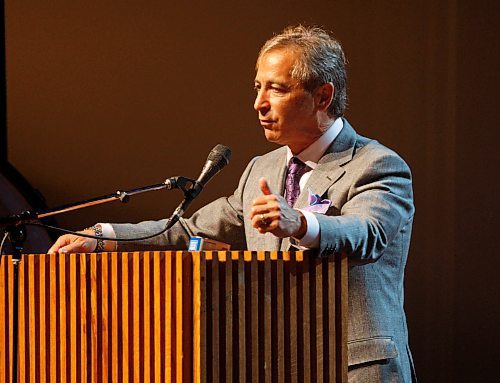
(217, 159)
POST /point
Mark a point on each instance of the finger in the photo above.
(270, 209)
(264, 187)
(258, 221)
(263, 200)
(60, 242)
(85, 246)
(264, 203)
(265, 221)
(255, 222)
(53, 248)
(257, 210)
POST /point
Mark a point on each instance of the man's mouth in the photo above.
(267, 122)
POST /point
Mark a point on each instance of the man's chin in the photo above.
(272, 136)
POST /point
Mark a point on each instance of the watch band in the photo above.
(98, 233)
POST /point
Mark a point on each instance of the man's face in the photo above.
(287, 112)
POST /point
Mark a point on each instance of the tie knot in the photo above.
(296, 166)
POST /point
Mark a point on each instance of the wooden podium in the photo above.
(235, 316)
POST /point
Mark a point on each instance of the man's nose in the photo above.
(261, 103)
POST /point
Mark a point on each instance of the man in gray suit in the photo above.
(327, 188)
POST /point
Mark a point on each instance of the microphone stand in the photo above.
(17, 221)
(14, 225)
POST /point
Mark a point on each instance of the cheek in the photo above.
(305, 105)
(289, 110)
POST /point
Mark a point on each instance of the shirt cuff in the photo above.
(310, 240)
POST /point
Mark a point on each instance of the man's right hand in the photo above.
(70, 243)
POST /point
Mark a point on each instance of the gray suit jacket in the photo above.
(370, 218)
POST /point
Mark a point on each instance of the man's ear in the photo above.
(324, 96)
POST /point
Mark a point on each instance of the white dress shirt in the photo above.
(310, 156)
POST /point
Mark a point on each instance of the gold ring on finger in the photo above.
(263, 220)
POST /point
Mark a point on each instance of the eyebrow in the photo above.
(271, 83)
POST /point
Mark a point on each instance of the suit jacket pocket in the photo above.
(369, 350)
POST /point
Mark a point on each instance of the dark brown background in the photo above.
(114, 95)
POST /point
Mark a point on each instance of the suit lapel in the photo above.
(275, 172)
(329, 169)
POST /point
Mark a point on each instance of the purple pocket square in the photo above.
(316, 204)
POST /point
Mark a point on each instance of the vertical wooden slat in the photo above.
(234, 331)
(306, 320)
(4, 322)
(104, 318)
(261, 320)
(281, 319)
(228, 325)
(41, 317)
(62, 318)
(268, 335)
(248, 257)
(319, 291)
(242, 324)
(332, 312)
(254, 322)
(146, 312)
(136, 341)
(293, 320)
(114, 317)
(168, 315)
(215, 320)
(6, 316)
(53, 317)
(126, 286)
(187, 315)
(10, 283)
(178, 317)
(157, 315)
(93, 319)
(341, 270)
(22, 318)
(204, 318)
(196, 317)
(73, 332)
(276, 321)
(30, 260)
(84, 315)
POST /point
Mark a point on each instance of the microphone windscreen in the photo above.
(220, 155)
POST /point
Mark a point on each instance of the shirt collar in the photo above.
(312, 154)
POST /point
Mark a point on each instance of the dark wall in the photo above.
(476, 313)
(105, 96)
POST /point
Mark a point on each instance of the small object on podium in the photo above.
(202, 244)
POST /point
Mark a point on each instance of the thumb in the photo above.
(264, 187)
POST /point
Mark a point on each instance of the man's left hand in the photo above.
(271, 213)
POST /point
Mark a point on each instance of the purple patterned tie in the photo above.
(296, 169)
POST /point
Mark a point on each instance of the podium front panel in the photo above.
(175, 316)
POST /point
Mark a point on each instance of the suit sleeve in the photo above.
(379, 204)
(221, 220)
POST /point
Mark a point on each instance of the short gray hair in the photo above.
(320, 61)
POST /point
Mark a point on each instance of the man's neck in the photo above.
(320, 143)
(324, 125)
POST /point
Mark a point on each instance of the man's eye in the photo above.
(278, 90)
